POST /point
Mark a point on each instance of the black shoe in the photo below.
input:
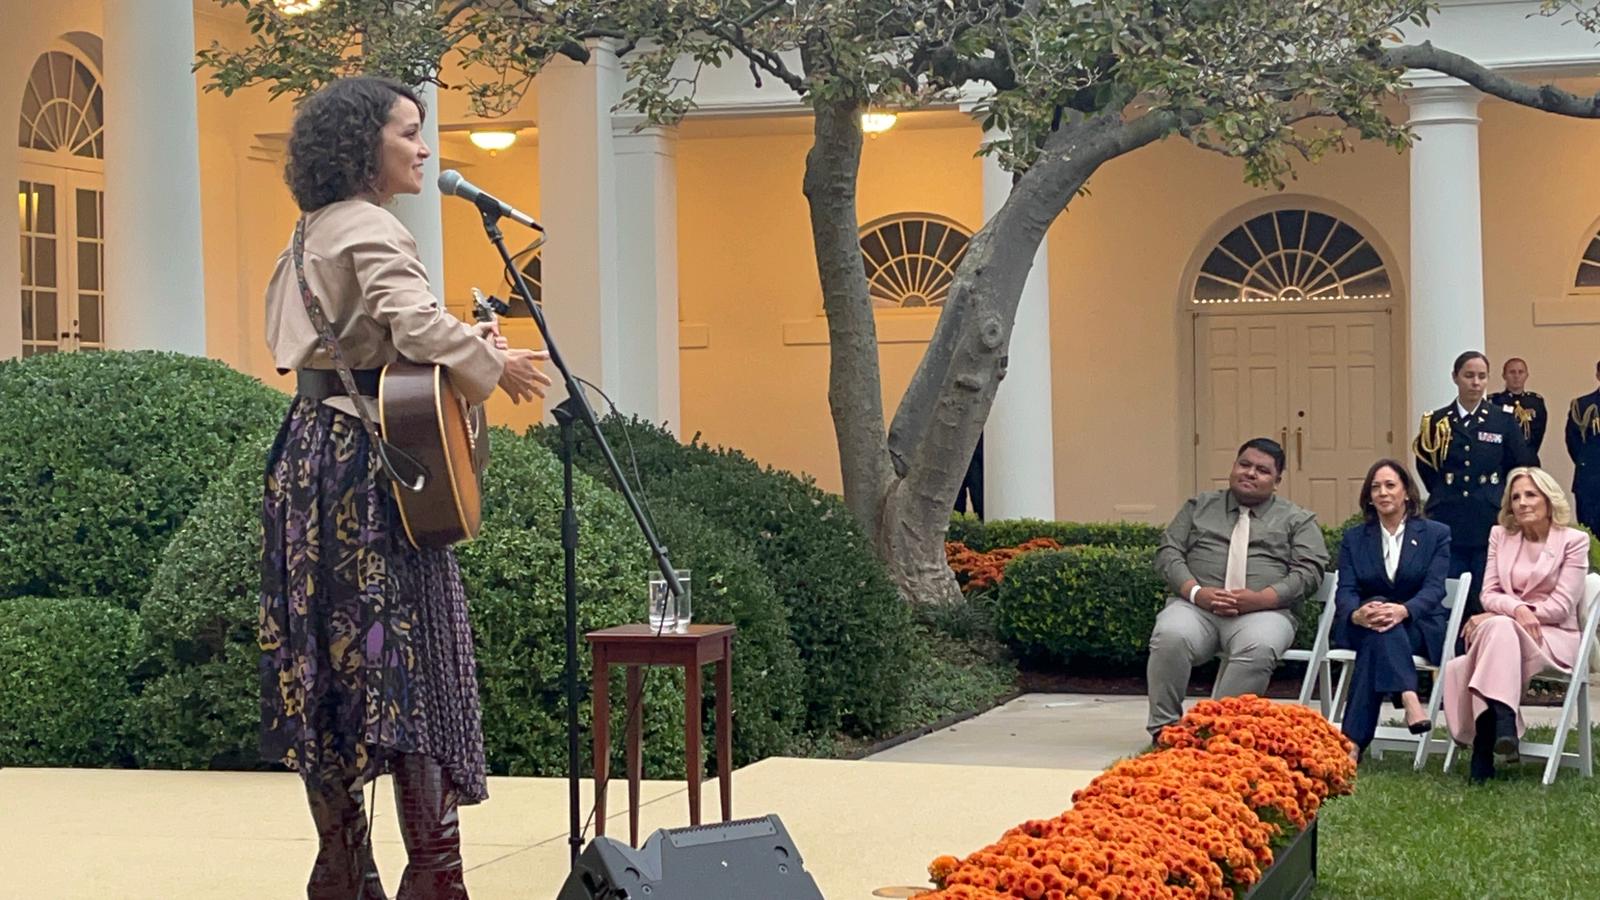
(1483, 740)
(1423, 727)
(1506, 746)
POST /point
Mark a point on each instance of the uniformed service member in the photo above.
(1526, 406)
(1583, 445)
(1464, 452)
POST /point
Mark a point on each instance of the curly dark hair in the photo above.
(333, 145)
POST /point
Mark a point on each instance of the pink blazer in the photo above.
(1552, 585)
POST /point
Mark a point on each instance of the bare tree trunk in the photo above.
(855, 396)
(901, 485)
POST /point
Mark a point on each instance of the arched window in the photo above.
(1589, 267)
(63, 108)
(1292, 256)
(911, 259)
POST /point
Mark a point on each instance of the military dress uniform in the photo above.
(1463, 462)
(1529, 410)
(1583, 445)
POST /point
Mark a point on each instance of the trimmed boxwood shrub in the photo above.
(729, 585)
(1081, 606)
(63, 681)
(199, 706)
(514, 581)
(102, 455)
(853, 632)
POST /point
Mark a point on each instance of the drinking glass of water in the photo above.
(669, 613)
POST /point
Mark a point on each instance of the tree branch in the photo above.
(762, 58)
(1546, 97)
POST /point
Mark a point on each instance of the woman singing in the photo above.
(367, 660)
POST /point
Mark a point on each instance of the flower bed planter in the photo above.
(1293, 872)
(1200, 818)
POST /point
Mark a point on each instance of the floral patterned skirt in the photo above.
(366, 648)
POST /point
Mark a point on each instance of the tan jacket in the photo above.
(363, 265)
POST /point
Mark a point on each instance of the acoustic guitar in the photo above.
(444, 443)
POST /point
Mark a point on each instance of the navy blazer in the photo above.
(1418, 579)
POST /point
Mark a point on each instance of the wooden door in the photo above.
(1241, 389)
(1318, 383)
(1339, 400)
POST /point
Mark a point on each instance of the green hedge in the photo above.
(197, 706)
(101, 457)
(63, 681)
(853, 633)
(985, 536)
(729, 585)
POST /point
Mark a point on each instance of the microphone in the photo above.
(451, 183)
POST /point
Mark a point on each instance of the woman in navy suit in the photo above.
(1390, 602)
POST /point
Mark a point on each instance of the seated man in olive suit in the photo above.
(1239, 562)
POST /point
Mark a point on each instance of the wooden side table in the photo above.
(635, 646)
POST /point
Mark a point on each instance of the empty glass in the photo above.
(669, 613)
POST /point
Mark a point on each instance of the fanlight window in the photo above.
(1589, 267)
(1292, 256)
(62, 108)
(911, 259)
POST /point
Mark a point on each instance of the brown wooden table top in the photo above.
(641, 632)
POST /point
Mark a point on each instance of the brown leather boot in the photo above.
(344, 869)
(426, 800)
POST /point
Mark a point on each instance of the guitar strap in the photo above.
(401, 468)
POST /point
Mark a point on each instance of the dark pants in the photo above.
(1588, 506)
(972, 483)
(1383, 668)
(1470, 559)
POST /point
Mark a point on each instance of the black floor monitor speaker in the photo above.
(748, 859)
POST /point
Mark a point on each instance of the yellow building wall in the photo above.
(1541, 206)
(1121, 339)
(1121, 334)
(746, 269)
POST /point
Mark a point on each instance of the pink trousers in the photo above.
(1498, 665)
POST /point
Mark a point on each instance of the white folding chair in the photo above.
(1575, 709)
(1388, 737)
(1316, 673)
(1319, 646)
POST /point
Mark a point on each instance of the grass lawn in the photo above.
(1409, 835)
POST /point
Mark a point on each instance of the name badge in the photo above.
(1489, 437)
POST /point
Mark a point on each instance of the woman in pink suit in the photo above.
(1532, 586)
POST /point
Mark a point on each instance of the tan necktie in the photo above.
(1238, 552)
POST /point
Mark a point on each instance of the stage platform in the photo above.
(865, 828)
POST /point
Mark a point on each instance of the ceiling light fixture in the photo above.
(492, 141)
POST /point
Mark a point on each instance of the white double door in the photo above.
(1318, 383)
(61, 214)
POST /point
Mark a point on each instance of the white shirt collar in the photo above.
(1468, 413)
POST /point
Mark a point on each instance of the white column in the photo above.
(578, 205)
(1446, 240)
(420, 212)
(154, 252)
(647, 249)
(1019, 439)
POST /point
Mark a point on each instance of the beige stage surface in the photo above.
(864, 828)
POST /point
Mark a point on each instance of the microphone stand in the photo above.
(575, 409)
